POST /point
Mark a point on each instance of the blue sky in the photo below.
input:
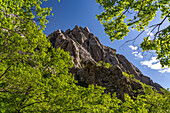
(69, 13)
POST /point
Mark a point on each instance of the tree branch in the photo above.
(159, 27)
(30, 105)
(5, 71)
(26, 93)
(155, 25)
(125, 11)
(140, 8)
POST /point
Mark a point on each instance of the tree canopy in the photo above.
(117, 24)
(34, 76)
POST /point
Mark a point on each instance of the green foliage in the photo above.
(34, 77)
(131, 76)
(117, 24)
(152, 103)
(147, 89)
(106, 65)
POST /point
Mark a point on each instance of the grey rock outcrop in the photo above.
(86, 50)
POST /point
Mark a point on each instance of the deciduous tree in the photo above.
(34, 76)
(117, 24)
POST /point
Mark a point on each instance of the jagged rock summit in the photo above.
(87, 51)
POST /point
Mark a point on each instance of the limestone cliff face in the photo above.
(86, 50)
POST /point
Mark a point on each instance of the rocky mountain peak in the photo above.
(86, 51)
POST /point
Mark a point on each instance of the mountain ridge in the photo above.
(86, 50)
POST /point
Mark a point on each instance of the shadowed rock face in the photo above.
(86, 50)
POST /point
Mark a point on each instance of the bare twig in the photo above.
(155, 25)
(158, 31)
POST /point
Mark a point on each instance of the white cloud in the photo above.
(133, 47)
(155, 64)
(139, 55)
(135, 52)
(165, 70)
(150, 33)
(150, 63)
(146, 29)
